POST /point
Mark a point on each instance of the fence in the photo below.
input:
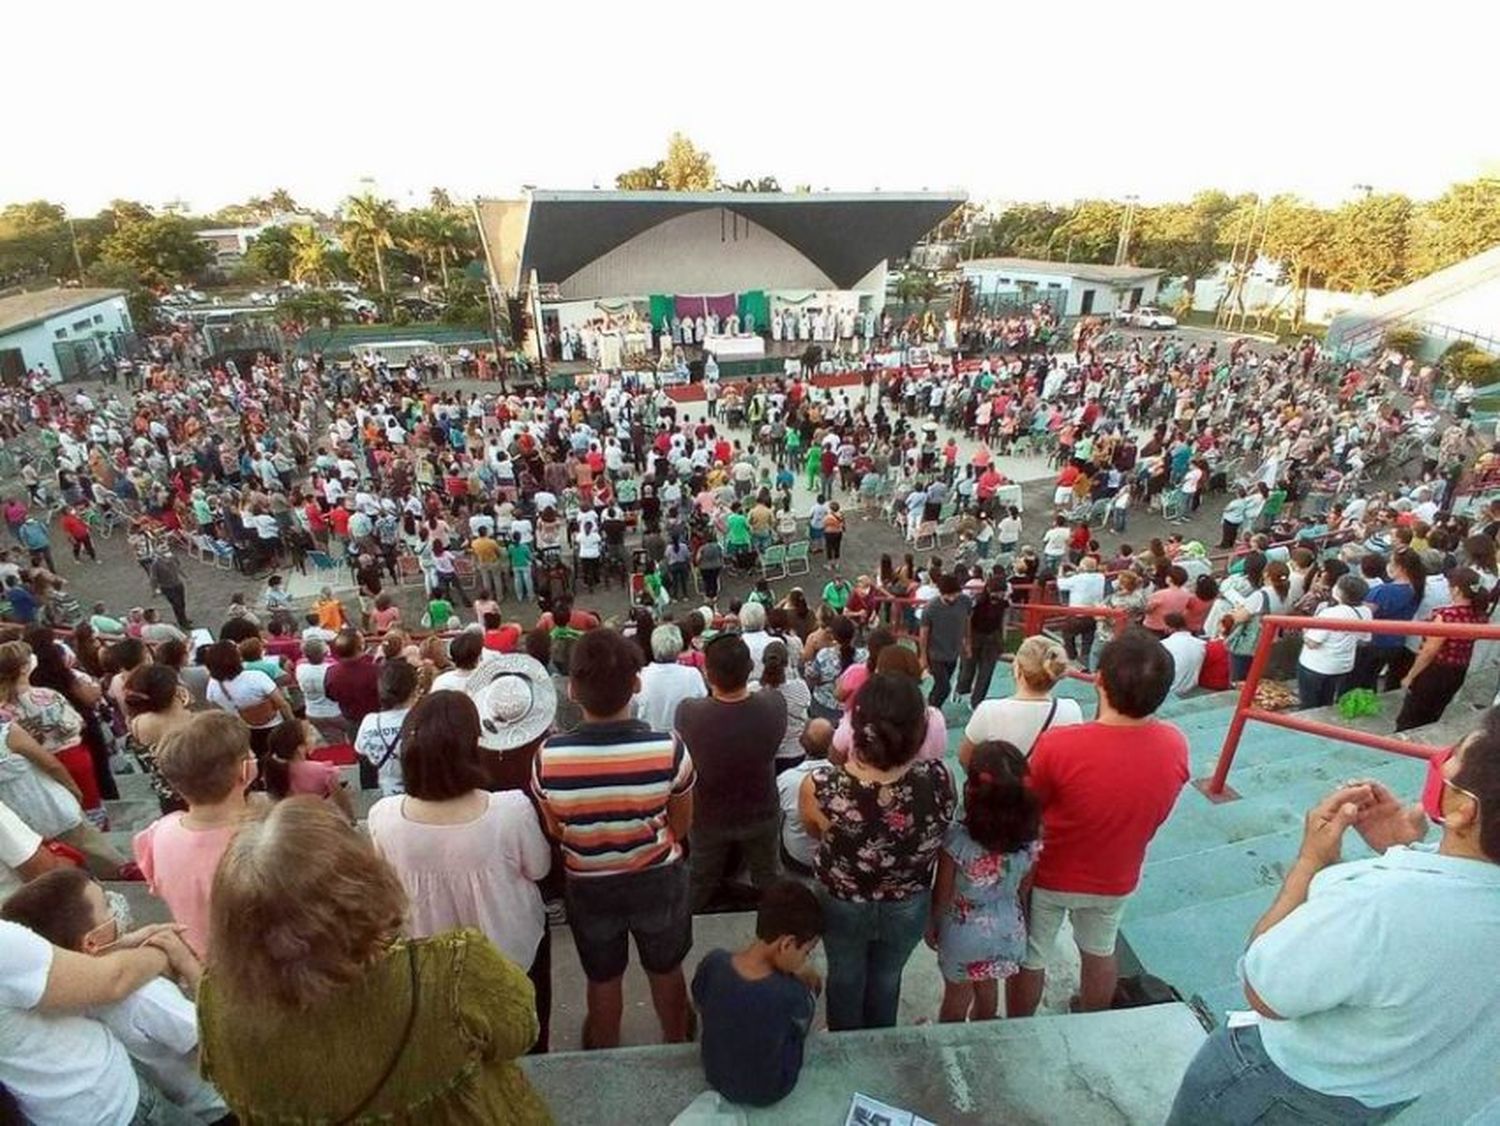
(1245, 711)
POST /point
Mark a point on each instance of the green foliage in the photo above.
(685, 168)
(122, 213)
(368, 231)
(1464, 360)
(271, 253)
(118, 275)
(464, 303)
(161, 250)
(1403, 339)
(313, 307)
(1460, 223)
(311, 261)
(1358, 702)
(764, 184)
(1089, 233)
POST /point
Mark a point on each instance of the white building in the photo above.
(1073, 289)
(1461, 302)
(65, 331)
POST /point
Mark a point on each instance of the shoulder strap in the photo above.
(1051, 715)
(411, 1020)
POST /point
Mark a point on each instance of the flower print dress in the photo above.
(982, 934)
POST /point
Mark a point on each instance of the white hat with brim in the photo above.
(516, 700)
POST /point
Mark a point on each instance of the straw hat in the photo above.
(515, 698)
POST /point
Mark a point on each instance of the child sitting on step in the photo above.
(977, 927)
(157, 1024)
(209, 763)
(757, 1005)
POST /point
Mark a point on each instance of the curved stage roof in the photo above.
(558, 233)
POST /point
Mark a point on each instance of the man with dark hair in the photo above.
(619, 798)
(353, 683)
(758, 1004)
(733, 736)
(1105, 788)
(945, 636)
(465, 651)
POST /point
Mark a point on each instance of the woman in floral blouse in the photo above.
(880, 819)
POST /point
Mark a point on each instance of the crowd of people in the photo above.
(704, 749)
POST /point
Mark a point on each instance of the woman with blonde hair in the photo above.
(315, 1007)
(1019, 719)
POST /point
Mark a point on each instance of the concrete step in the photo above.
(144, 907)
(135, 786)
(131, 813)
(1095, 1068)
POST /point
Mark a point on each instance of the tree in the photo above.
(1185, 239)
(310, 262)
(415, 235)
(30, 218)
(1024, 230)
(122, 212)
(271, 252)
(1089, 234)
(312, 307)
(281, 202)
(118, 275)
(464, 303)
(35, 240)
(161, 250)
(1462, 222)
(368, 228)
(685, 168)
(646, 178)
(764, 184)
(441, 199)
(1301, 236)
(1371, 241)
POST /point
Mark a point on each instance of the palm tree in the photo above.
(309, 255)
(281, 201)
(368, 225)
(418, 236)
(440, 199)
(451, 236)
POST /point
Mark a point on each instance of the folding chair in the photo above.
(797, 561)
(773, 556)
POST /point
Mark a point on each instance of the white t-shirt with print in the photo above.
(379, 741)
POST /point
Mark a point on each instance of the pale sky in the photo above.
(165, 100)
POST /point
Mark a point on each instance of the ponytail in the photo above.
(1001, 813)
(276, 763)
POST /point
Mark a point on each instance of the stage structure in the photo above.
(616, 276)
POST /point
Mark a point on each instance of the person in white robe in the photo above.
(776, 326)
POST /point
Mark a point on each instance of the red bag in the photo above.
(1215, 672)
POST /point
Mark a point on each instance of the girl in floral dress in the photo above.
(977, 927)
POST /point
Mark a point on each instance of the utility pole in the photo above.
(1122, 248)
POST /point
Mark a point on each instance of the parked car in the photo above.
(1148, 316)
(359, 306)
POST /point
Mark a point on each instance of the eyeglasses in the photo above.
(1457, 789)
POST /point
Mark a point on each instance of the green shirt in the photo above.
(439, 612)
(520, 554)
(836, 595)
(737, 529)
(476, 1015)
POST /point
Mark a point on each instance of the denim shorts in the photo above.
(654, 905)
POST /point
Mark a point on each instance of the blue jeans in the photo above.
(868, 945)
(525, 592)
(1232, 1081)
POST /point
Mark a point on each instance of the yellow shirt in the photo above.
(485, 549)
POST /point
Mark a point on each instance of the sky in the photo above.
(213, 103)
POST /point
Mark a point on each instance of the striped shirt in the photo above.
(607, 785)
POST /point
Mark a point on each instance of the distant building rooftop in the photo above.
(1083, 271)
(23, 310)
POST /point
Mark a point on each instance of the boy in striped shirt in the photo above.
(618, 796)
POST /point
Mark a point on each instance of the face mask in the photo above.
(1433, 787)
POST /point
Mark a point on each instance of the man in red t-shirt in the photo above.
(1105, 788)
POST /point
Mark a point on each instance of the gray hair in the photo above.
(666, 642)
(752, 616)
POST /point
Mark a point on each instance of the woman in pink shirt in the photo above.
(1171, 599)
(894, 658)
(468, 857)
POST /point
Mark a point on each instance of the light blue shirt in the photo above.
(1389, 977)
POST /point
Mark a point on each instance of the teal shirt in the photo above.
(520, 554)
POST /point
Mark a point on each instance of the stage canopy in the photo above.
(839, 237)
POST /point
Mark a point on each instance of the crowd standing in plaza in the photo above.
(536, 760)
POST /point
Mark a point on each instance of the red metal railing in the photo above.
(1271, 627)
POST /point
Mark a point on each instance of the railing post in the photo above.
(1258, 663)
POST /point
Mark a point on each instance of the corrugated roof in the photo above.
(1083, 271)
(22, 310)
(844, 234)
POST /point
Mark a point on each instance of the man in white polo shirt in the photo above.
(1377, 982)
